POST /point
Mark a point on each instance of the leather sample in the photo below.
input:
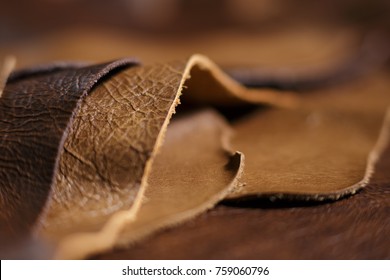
(107, 177)
(123, 167)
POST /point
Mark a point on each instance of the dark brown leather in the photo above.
(36, 109)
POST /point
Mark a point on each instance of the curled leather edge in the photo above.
(96, 242)
(238, 92)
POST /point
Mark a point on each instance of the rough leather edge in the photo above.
(96, 242)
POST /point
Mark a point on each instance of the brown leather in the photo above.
(94, 201)
(107, 161)
(35, 112)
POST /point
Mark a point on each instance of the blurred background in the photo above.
(270, 33)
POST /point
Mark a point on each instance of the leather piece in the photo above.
(325, 149)
(35, 112)
(136, 98)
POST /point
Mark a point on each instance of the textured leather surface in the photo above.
(35, 112)
(318, 149)
(111, 180)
